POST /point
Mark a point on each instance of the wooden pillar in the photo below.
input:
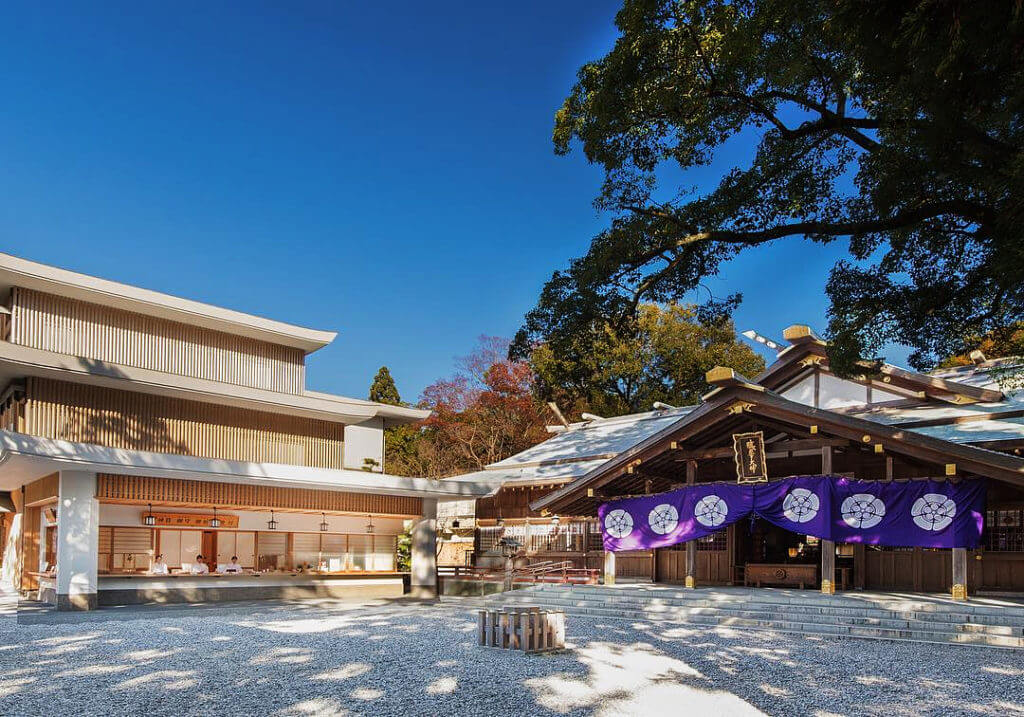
(828, 547)
(691, 546)
(609, 567)
(959, 573)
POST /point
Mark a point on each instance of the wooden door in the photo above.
(209, 549)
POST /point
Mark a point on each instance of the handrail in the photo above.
(544, 572)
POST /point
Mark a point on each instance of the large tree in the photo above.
(895, 124)
(485, 412)
(661, 356)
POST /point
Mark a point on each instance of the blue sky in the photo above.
(384, 171)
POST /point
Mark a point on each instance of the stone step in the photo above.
(811, 612)
(781, 624)
(809, 600)
(675, 613)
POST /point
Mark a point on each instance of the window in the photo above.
(1004, 530)
(718, 540)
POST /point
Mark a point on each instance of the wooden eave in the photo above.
(735, 405)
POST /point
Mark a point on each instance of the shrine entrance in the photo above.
(769, 555)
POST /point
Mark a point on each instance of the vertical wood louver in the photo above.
(77, 328)
(124, 419)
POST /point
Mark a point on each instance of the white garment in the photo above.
(233, 568)
(200, 569)
(159, 569)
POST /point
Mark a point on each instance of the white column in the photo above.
(424, 551)
(78, 533)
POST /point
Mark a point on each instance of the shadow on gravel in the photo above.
(408, 658)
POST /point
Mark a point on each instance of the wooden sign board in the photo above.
(192, 520)
(748, 450)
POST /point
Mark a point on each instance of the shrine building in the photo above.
(889, 480)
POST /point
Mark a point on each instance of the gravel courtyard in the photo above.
(404, 659)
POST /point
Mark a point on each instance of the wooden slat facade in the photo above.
(77, 328)
(141, 490)
(30, 545)
(124, 419)
(44, 490)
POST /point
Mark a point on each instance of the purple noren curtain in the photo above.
(926, 513)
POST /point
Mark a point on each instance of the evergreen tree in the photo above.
(383, 389)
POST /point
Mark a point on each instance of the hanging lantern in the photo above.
(149, 518)
(369, 524)
(271, 524)
(555, 520)
(214, 521)
(323, 525)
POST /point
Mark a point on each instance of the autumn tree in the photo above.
(893, 125)
(485, 412)
(661, 356)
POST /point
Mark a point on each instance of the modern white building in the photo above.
(134, 424)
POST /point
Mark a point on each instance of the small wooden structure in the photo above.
(781, 574)
(528, 629)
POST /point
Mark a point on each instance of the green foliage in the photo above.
(917, 101)
(383, 389)
(661, 356)
(404, 550)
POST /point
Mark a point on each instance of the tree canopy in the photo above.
(894, 124)
(383, 388)
(486, 411)
(661, 356)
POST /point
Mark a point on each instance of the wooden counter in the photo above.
(801, 574)
(138, 588)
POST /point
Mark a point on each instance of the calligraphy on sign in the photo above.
(748, 449)
(193, 520)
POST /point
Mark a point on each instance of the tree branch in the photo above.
(968, 210)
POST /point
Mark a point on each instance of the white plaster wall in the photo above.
(802, 391)
(131, 515)
(77, 534)
(362, 441)
(11, 552)
(834, 392)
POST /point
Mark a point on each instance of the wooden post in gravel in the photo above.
(691, 545)
(959, 573)
(828, 547)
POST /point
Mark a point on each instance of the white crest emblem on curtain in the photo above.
(710, 511)
(800, 505)
(933, 511)
(618, 523)
(862, 510)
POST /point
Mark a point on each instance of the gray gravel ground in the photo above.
(409, 659)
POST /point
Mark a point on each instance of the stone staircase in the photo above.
(991, 623)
